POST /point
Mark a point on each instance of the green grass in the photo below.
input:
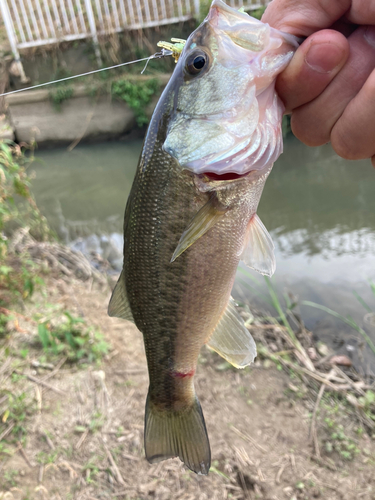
(283, 312)
(61, 94)
(273, 299)
(338, 441)
(71, 337)
(91, 471)
(348, 319)
(18, 408)
(18, 274)
(136, 95)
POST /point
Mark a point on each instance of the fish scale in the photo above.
(187, 225)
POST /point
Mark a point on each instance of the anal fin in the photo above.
(232, 340)
(203, 220)
(119, 304)
(259, 250)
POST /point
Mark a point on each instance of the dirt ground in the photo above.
(85, 441)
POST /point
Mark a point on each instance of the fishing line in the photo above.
(157, 55)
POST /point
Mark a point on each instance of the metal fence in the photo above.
(32, 23)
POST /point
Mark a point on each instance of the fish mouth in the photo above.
(208, 181)
(228, 176)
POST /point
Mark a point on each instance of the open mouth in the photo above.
(229, 176)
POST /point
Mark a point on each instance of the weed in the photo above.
(339, 442)
(277, 305)
(47, 458)
(24, 353)
(368, 400)
(15, 186)
(120, 431)
(18, 409)
(367, 404)
(91, 471)
(10, 478)
(348, 319)
(4, 450)
(17, 273)
(360, 431)
(60, 95)
(96, 422)
(274, 301)
(72, 338)
(4, 324)
(218, 472)
(16, 377)
(137, 95)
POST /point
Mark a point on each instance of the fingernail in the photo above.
(370, 35)
(323, 57)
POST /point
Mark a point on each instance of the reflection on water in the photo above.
(319, 209)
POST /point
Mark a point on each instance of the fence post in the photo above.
(91, 18)
(12, 38)
(197, 9)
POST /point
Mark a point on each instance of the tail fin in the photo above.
(180, 434)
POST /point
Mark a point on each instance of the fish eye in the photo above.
(196, 62)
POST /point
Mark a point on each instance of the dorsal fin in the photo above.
(119, 304)
(258, 253)
(232, 340)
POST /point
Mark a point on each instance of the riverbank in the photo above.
(98, 110)
(292, 426)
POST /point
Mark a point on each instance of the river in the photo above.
(319, 209)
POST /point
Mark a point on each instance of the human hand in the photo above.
(329, 86)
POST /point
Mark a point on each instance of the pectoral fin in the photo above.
(232, 340)
(258, 253)
(203, 220)
(119, 304)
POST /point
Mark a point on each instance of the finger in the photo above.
(313, 122)
(304, 18)
(353, 136)
(314, 65)
(361, 12)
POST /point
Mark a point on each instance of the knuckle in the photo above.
(307, 132)
(344, 145)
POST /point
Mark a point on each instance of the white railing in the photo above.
(32, 23)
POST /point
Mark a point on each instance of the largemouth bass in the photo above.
(191, 216)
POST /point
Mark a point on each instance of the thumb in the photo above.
(314, 65)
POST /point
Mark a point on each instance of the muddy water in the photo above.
(319, 209)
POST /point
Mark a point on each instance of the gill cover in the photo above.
(227, 116)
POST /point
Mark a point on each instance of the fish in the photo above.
(191, 217)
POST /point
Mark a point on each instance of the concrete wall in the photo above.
(33, 116)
